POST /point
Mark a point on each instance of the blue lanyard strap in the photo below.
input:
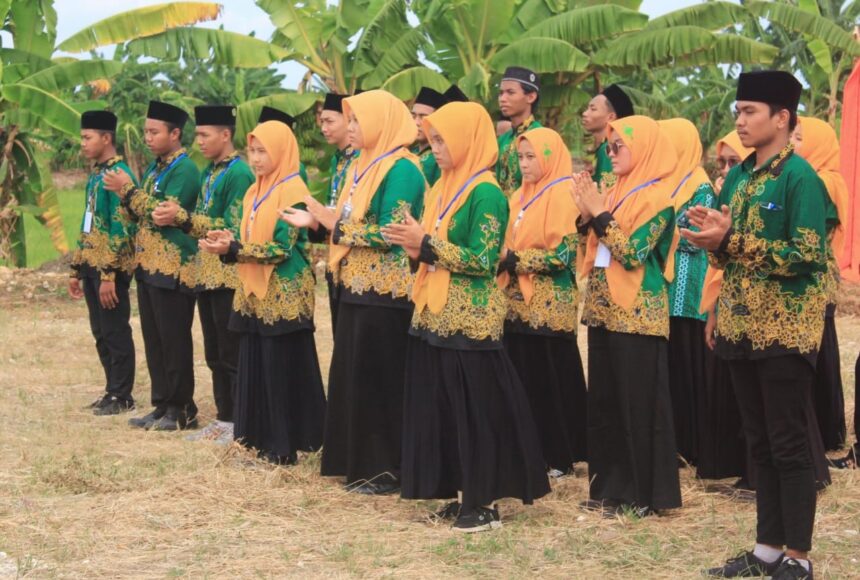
(338, 176)
(255, 205)
(455, 198)
(356, 177)
(212, 186)
(632, 191)
(552, 183)
(680, 185)
(165, 170)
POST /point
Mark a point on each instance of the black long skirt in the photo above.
(280, 403)
(363, 425)
(687, 382)
(722, 446)
(469, 428)
(550, 368)
(631, 441)
(827, 389)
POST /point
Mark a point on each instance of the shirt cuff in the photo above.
(427, 253)
(232, 255)
(601, 223)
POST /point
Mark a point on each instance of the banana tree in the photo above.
(35, 85)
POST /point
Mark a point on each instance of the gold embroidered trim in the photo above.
(477, 313)
(155, 254)
(366, 269)
(208, 271)
(550, 307)
(285, 299)
(649, 315)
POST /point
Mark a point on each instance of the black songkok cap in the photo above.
(454, 95)
(167, 113)
(334, 102)
(223, 115)
(522, 75)
(430, 97)
(619, 100)
(98, 120)
(272, 114)
(774, 87)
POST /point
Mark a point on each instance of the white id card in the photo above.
(88, 222)
(601, 260)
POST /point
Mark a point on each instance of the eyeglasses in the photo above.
(730, 162)
(614, 146)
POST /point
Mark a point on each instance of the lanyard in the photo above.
(210, 186)
(338, 176)
(454, 199)
(92, 189)
(255, 205)
(356, 178)
(680, 185)
(552, 183)
(165, 170)
(631, 192)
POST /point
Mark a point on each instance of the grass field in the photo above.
(39, 247)
(86, 497)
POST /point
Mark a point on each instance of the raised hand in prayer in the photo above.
(586, 196)
(115, 180)
(321, 213)
(409, 235)
(713, 226)
(165, 213)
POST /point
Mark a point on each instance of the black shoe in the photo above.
(629, 510)
(173, 420)
(113, 406)
(478, 520)
(97, 403)
(745, 565)
(451, 511)
(790, 569)
(147, 420)
(370, 488)
(282, 460)
(849, 461)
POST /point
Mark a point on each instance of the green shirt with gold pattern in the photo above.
(508, 166)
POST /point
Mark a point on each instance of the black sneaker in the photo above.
(478, 520)
(97, 403)
(173, 420)
(745, 565)
(112, 406)
(791, 569)
(147, 420)
(451, 511)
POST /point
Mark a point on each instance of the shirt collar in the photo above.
(107, 164)
(171, 158)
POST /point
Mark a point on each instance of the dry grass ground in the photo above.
(86, 497)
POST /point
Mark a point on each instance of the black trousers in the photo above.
(112, 332)
(857, 407)
(221, 347)
(165, 319)
(772, 397)
(333, 299)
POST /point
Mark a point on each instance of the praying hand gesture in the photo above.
(713, 226)
(586, 196)
(216, 242)
(408, 235)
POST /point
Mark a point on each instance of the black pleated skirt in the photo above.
(687, 382)
(469, 428)
(827, 390)
(363, 425)
(722, 446)
(280, 403)
(631, 441)
(550, 368)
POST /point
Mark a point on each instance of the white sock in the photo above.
(804, 563)
(767, 553)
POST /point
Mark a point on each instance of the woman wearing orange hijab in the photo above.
(537, 274)
(384, 184)
(468, 432)
(280, 403)
(628, 243)
(816, 141)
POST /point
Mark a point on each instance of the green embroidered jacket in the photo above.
(691, 263)
(429, 167)
(603, 166)
(508, 166)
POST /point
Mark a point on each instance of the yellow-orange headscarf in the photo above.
(469, 134)
(821, 149)
(280, 144)
(685, 137)
(553, 216)
(734, 142)
(653, 158)
(387, 128)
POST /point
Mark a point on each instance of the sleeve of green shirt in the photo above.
(632, 251)
(119, 230)
(556, 259)
(704, 196)
(182, 184)
(278, 250)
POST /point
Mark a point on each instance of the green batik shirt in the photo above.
(691, 262)
(603, 175)
(429, 167)
(772, 300)
(341, 161)
(160, 252)
(648, 247)
(106, 248)
(288, 305)
(219, 206)
(508, 166)
(473, 317)
(375, 272)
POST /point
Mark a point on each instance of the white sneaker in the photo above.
(220, 432)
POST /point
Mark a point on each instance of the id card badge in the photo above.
(346, 213)
(601, 260)
(88, 222)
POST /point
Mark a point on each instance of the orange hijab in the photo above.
(689, 173)
(734, 142)
(552, 216)
(280, 144)
(653, 158)
(469, 134)
(387, 127)
(820, 148)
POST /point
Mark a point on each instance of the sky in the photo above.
(238, 16)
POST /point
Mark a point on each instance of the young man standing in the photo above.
(426, 103)
(770, 238)
(613, 103)
(219, 207)
(519, 93)
(166, 309)
(102, 264)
